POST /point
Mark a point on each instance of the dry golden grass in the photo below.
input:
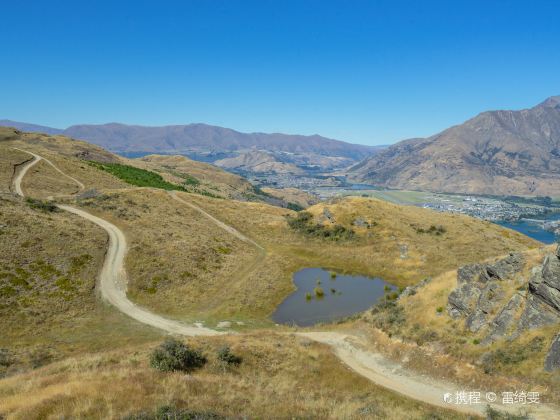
(293, 195)
(280, 377)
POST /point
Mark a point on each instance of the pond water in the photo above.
(344, 295)
(534, 230)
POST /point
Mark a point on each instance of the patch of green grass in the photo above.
(136, 176)
(295, 207)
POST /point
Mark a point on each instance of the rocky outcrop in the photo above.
(480, 299)
(481, 291)
(552, 361)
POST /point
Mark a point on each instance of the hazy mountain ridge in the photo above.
(199, 138)
(496, 152)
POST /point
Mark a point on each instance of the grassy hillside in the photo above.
(287, 376)
(183, 265)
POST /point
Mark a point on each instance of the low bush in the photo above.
(44, 206)
(512, 355)
(174, 355)
(226, 356)
(432, 230)
(303, 223)
(388, 316)
(319, 292)
(173, 413)
(294, 207)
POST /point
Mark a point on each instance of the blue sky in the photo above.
(370, 72)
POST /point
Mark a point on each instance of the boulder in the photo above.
(537, 314)
(476, 320)
(504, 320)
(462, 300)
(411, 290)
(469, 273)
(552, 361)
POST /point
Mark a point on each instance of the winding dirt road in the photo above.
(372, 366)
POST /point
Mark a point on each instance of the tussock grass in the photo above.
(280, 376)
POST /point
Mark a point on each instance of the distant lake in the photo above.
(534, 230)
(352, 294)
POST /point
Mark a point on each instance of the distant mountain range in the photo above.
(206, 142)
(496, 152)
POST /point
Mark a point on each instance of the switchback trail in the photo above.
(347, 347)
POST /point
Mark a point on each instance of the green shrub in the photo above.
(6, 358)
(295, 207)
(388, 316)
(226, 356)
(44, 206)
(333, 275)
(319, 292)
(493, 414)
(173, 413)
(303, 223)
(308, 296)
(174, 355)
(439, 309)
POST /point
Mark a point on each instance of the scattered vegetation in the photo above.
(44, 206)
(388, 316)
(432, 230)
(303, 223)
(514, 353)
(137, 176)
(173, 413)
(174, 355)
(226, 356)
(493, 414)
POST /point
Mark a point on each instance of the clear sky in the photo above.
(370, 72)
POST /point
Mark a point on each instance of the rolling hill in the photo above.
(206, 142)
(496, 152)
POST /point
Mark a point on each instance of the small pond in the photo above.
(342, 296)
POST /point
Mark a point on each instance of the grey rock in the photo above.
(551, 271)
(327, 213)
(404, 251)
(504, 320)
(361, 222)
(504, 268)
(537, 314)
(546, 283)
(476, 320)
(411, 290)
(552, 361)
(462, 300)
(469, 273)
(557, 253)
